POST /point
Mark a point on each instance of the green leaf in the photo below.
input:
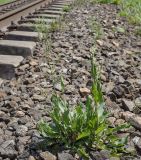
(81, 151)
(83, 135)
(102, 127)
(120, 127)
(62, 84)
(89, 108)
(46, 130)
(100, 111)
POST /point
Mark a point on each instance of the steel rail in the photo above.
(19, 9)
(14, 6)
(5, 20)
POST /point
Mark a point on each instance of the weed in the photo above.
(84, 128)
(62, 84)
(119, 29)
(43, 30)
(59, 24)
(66, 8)
(96, 28)
(54, 26)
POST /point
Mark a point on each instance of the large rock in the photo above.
(21, 130)
(138, 102)
(137, 142)
(128, 104)
(47, 156)
(84, 91)
(132, 118)
(65, 156)
(2, 94)
(31, 158)
(20, 114)
(104, 154)
(7, 149)
(38, 98)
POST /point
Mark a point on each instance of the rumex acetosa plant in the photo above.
(84, 128)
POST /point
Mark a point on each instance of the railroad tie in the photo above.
(23, 36)
(54, 8)
(26, 27)
(61, 3)
(43, 16)
(36, 20)
(47, 11)
(7, 65)
(20, 48)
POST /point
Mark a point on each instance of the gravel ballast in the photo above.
(25, 99)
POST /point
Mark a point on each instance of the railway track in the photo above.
(4, 9)
(20, 39)
(15, 14)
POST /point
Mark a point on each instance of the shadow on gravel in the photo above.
(38, 150)
(7, 71)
